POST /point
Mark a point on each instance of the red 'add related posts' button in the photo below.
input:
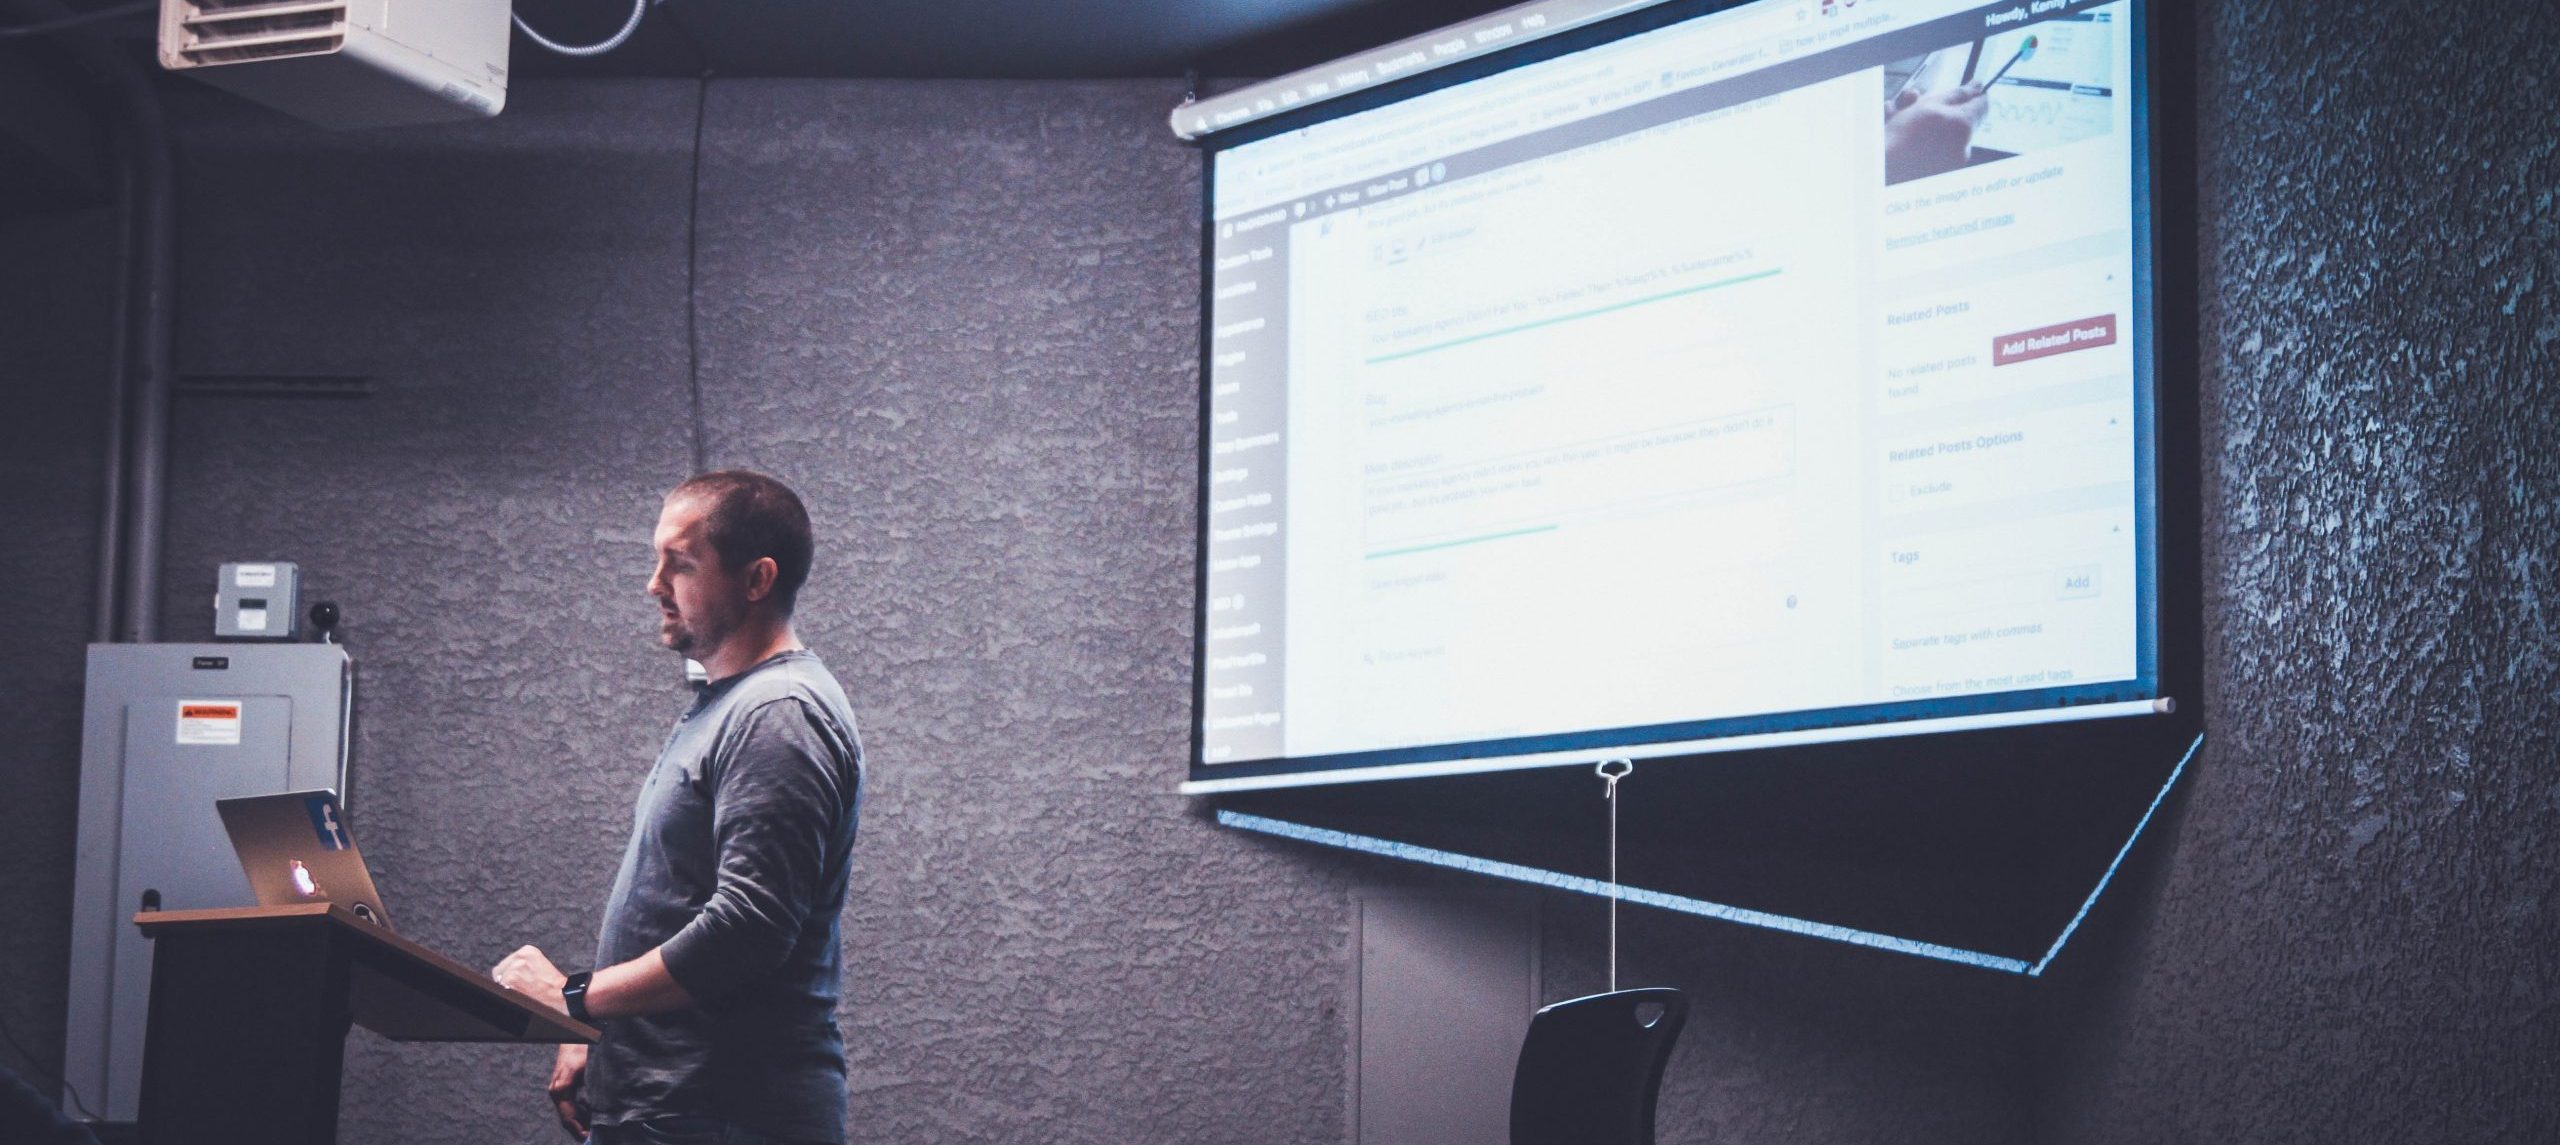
(2047, 341)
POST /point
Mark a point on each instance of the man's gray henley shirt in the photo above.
(741, 844)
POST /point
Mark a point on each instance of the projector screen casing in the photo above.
(2165, 452)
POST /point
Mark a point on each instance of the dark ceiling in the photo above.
(1028, 39)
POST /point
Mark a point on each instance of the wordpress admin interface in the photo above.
(1780, 360)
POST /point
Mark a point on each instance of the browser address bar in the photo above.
(1604, 78)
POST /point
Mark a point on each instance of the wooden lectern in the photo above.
(250, 1009)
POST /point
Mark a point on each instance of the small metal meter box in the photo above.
(258, 599)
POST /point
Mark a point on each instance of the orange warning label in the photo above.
(213, 723)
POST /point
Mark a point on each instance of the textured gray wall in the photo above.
(55, 291)
(516, 290)
(2356, 935)
(960, 315)
(1797, 1040)
(980, 393)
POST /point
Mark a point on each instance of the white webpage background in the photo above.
(1622, 436)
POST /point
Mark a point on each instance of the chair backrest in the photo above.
(1591, 1068)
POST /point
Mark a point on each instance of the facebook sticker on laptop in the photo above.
(324, 822)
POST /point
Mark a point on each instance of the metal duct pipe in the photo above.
(155, 316)
(131, 521)
(119, 402)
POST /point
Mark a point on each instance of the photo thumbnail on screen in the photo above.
(2004, 95)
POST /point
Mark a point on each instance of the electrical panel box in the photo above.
(169, 729)
(258, 599)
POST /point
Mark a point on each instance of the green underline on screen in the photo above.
(1580, 315)
(1460, 541)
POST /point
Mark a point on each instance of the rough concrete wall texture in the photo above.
(1797, 1039)
(515, 291)
(56, 285)
(970, 330)
(961, 315)
(2352, 934)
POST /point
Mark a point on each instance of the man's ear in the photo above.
(761, 573)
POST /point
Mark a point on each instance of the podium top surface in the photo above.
(399, 989)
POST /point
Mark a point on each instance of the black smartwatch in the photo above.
(573, 994)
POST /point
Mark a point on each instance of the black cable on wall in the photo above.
(692, 311)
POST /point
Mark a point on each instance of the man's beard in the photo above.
(680, 634)
(677, 635)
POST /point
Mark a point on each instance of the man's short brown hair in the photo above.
(751, 516)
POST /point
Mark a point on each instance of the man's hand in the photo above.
(1928, 134)
(568, 1089)
(527, 972)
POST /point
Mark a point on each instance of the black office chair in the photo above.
(1591, 1068)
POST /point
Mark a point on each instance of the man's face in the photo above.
(700, 603)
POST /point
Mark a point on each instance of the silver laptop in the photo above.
(296, 849)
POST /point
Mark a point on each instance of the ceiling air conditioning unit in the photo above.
(346, 63)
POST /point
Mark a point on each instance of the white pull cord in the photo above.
(639, 8)
(1611, 771)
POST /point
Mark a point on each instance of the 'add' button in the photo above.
(2047, 341)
